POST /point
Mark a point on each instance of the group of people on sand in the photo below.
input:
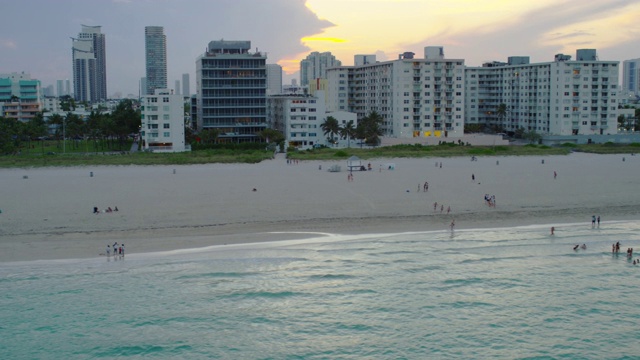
(435, 208)
(117, 250)
(490, 200)
(107, 210)
(595, 219)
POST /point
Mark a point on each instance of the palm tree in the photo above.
(58, 120)
(37, 128)
(369, 129)
(348, 131)
(501, 112)
(330, 127)
(271, 136)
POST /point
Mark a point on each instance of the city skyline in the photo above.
(477, 31)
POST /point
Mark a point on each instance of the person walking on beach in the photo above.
(426, 186)
(441, 208)
(448, 209)
(473, 178)
(435, 206)
(555, 174)
(108, 251)
(453, 223)
(598, 219)
(593, 221)
(553, 229)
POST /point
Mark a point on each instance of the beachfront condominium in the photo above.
(162, 122)
(155, 45)
(299, 117)
(561, 97)
(631, 76)
(231, 91)
(20, 96)
(89, 65)
(315, 66)
(416, 97)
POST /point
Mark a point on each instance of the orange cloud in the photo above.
(326, 39)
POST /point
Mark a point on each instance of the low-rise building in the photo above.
(20, 96)
(300, 117)
(162, 122)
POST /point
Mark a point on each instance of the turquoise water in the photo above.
(512, 293)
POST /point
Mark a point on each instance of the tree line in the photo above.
(368, 131)
(109, 129)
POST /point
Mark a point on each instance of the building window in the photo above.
(165, 99)
(166, 126)
(166, 134)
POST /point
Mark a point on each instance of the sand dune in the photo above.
(49, 215)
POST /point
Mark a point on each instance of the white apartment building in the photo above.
(298, 118)
(562, 97)
(415, 97)
(163, 122)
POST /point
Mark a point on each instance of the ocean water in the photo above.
(506, 293)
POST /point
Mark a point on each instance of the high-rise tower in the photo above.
(89, 65)
(231, 91)
(315, 66)
(156, 58)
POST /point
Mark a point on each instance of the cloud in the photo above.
(577, 33)
(8, 44)
(324, 39)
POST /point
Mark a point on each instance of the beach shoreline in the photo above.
(47, 215)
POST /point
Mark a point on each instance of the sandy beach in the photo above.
(47, 213)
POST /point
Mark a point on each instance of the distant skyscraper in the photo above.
(67, 87)
(89, 65)
(48, 90)
(274, 79)
(316, 65)
(156, 58)
(60, 88)
(177, 89)
(185, 85)
(631, 76)
(143, 86)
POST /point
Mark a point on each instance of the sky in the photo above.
(35, 35)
